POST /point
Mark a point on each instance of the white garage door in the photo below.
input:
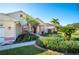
(2, 35)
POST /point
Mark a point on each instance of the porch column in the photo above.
(38, 30)
(29, 28)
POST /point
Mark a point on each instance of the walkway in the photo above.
(6, 47)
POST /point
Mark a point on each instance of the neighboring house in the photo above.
(49, 27)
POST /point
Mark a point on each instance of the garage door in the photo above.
(2, 34)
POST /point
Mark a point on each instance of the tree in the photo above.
(67, 30)
(27, 19)
(75, 25)
(34, 24)
(31, 21)
(56, 23)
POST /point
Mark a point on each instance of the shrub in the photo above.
(54, 32)
(69, 46)
(47, 42)
(56, 35)
(33, 37)
(58, 44)
(26, 37)
(40, 43)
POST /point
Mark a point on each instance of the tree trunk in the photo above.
(67, 36)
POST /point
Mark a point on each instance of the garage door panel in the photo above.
(2, 34)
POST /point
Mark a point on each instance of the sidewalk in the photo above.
(6, 47)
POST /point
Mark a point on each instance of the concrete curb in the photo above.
(6, 47)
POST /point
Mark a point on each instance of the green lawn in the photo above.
(27, 50)
(76, 34)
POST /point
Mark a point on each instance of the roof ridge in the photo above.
(14, 12)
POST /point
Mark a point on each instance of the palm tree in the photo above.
(34, 24)
(56, 23)
(27, 19)
(31, 22)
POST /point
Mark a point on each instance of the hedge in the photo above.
(59, 44)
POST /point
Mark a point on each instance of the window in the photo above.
(9, 28)
(1, 24)
(21, 15)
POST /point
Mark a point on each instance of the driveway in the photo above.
(6, 47)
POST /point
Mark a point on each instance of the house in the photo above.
(40, 28)
(43, 27)
(49, 28)
(13, 24)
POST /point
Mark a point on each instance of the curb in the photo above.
(6, 47)
(40, 47)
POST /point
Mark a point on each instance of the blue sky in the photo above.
(66, 13)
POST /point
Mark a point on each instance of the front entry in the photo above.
(34, 30)
(2, 34)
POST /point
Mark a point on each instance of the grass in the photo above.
(77, 32)
(75, 35)
(27, 50)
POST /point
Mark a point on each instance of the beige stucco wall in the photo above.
(18, 29)
(49, 27)
(19, 18)
(9, 32)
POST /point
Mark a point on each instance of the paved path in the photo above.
(6, 47)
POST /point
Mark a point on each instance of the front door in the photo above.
(2, 34)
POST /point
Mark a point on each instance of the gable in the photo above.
(19, 16)
(7, 18)
(40, 21)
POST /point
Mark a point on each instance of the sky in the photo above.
(65, 12)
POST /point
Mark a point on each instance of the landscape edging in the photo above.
(47, 49)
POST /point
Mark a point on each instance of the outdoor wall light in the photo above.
(9, 28)
(1, 24)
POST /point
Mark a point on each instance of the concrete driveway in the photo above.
(6, 47)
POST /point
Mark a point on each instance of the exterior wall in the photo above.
(32, 30)
(46, 29)
(38, 30)
(29, 28)
(10, 30)
(41, 28)
(18, 29)
(17, 15)
(49, 27)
